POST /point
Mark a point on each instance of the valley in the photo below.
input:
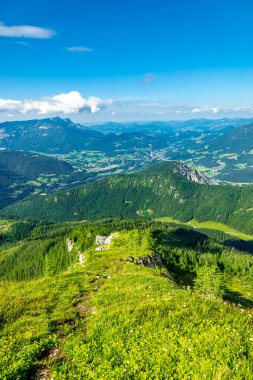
(207, 145)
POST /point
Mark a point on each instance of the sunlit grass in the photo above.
(141, 325)
(209, 225)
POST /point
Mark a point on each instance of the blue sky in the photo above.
(133, 60)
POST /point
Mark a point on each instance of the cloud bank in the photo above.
(73, 103)
(69, 103)
(25, 31)
(152, 110)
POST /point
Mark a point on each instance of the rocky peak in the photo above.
(194, 176)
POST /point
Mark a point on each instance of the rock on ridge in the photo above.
(193, 175)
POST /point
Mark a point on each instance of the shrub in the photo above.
(209, 281)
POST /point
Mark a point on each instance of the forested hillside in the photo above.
(23, 174)
(19, 170)
(31, 165)
(155, 192)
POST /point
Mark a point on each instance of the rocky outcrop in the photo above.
(151, 261)
(110, 238)
(100, 248)
(100, 239)
(70, 245)
(80, 257)
(104, 242)
(193, 175)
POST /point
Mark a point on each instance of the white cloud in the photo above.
(215, 110)
(73, 103)
(25, 31)
(149, 109)
(9, 105)
(79, 49)
(206, 109)
(69, 103)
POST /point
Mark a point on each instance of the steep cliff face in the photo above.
(193, 175)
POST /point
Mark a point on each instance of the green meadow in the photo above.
(109, 318)
(208, 225)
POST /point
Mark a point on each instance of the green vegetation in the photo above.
(108, 318)
(31, 165)
(159, 189)
(208, 225)
(24, 174)
(209, 281)
(19, 171)
(157, 331)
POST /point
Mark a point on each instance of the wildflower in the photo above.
(165, 350)
(131, 331)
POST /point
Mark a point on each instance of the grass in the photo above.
(111, 319)
(208, 225)
(30, 315)
(235, 285)
(8, 251)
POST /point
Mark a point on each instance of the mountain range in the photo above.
(56, 135)
(220, 148)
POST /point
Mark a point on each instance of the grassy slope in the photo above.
(136, 324)
(209, 225)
